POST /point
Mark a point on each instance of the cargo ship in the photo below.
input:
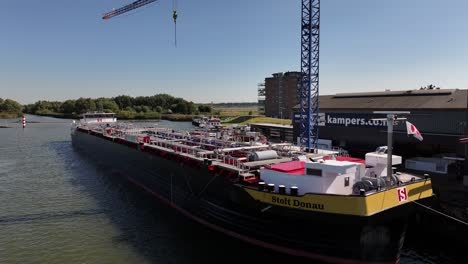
(319, 205)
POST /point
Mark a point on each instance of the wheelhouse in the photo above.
(98, 117)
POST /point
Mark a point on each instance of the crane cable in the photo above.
(174, 16)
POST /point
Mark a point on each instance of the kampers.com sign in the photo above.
(348, 120)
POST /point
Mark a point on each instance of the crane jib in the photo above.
(127, 8)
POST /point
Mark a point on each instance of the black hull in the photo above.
(214, 201)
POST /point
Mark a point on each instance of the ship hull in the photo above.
(213, 200)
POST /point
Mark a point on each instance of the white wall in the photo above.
(332, 180)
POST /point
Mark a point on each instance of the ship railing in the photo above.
(205, 154)
(186, 149)
(188, 141)
(170, 135)
(202, 144)
(286, 149)
(341, 151)
(230, 167)
(133, 131)
(177, 146)
(234, 161)
(242, 148)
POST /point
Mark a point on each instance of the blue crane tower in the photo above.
(308, 88)
(309, 82)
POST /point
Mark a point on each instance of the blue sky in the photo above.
(62, 49)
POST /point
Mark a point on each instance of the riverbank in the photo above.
(230, 120)
(229, 115)
(135, 116)
(5, 115)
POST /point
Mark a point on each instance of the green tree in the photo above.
(28, 108)
(10, 106)
(191, 108)
(181, 108)
(124, 101)
(124, 105)
(204, 109)
(40, 107)
(68, 107)
(145, 108)
(130, 109)
(83, 105)
(141, 100)
(106, 105)
(137, 108)
(55, 106)
(126, 114)
(164, 100)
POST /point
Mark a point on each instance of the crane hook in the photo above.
(174, 16)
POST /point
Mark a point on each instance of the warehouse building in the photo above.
(439, 114)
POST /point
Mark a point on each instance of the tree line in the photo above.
(125, 106)
(10, 108)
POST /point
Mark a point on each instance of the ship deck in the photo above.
(227, 151)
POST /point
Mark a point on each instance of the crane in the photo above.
(125, 9)
(138, 4)
(308, 88)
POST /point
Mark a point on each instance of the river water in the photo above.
(58, 207)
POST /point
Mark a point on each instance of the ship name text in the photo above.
(296, 203)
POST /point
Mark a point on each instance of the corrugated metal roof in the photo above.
(395, 100)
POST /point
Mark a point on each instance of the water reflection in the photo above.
(48, 216)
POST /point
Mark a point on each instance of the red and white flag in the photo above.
(412, 130)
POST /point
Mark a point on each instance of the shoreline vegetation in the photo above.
(228, 120)
(138, 116)
(124, 106)
(6, 115)
(156, 107)
(10, 109)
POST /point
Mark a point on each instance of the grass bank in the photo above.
(235, 111)
(6, 115)
(177, 117)
(242, 120)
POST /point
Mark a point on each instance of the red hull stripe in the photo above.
(254, 241)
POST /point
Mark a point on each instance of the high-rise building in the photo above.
(281, 94)
(261, 98)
